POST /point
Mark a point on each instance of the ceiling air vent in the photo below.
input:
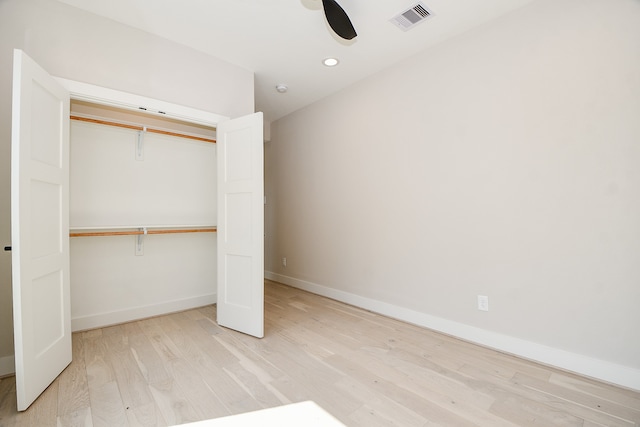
(411, 17)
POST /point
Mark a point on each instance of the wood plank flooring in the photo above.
(364, 369)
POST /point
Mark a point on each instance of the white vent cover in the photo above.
(411, 17)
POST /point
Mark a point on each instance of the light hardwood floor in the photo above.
(365, 369)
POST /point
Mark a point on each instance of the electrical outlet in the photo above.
(284, 261)
(483, 302)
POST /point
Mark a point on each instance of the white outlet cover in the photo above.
(483, 302)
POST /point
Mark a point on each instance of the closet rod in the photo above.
(138, 232)
(140, 128)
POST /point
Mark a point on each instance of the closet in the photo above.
(142, 215)
(147, 200)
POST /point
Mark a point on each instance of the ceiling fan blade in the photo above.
(338, 19)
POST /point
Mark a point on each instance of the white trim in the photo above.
(7, 365)
(105, 96)
(111, 97)
(624, 376)
(136, 313)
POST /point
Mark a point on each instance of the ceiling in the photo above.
(285, 41)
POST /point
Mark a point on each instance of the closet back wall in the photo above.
(121, 178)
(80, 46)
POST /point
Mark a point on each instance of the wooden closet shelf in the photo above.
(141, 128)
(140, 232)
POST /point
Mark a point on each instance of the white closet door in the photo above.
(39, 228)
(241, 225)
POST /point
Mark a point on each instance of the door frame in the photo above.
(104, 96)
(80, 91)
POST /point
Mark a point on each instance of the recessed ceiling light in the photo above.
(282, 88)
(330, 62)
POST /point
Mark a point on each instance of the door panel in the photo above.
(39, 228)
(241, 225)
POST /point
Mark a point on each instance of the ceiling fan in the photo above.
(338, 19)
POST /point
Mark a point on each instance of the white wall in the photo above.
(79, 46)
(173, 184)
(503, 163)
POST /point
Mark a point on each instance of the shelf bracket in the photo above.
(140, 241)
(140, 144)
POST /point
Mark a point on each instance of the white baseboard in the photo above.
(584, 365)
(121, 316)
(7, 365)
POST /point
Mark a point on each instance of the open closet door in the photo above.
(39, 228)
(241, 225)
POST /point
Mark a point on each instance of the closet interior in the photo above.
(142, 214)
